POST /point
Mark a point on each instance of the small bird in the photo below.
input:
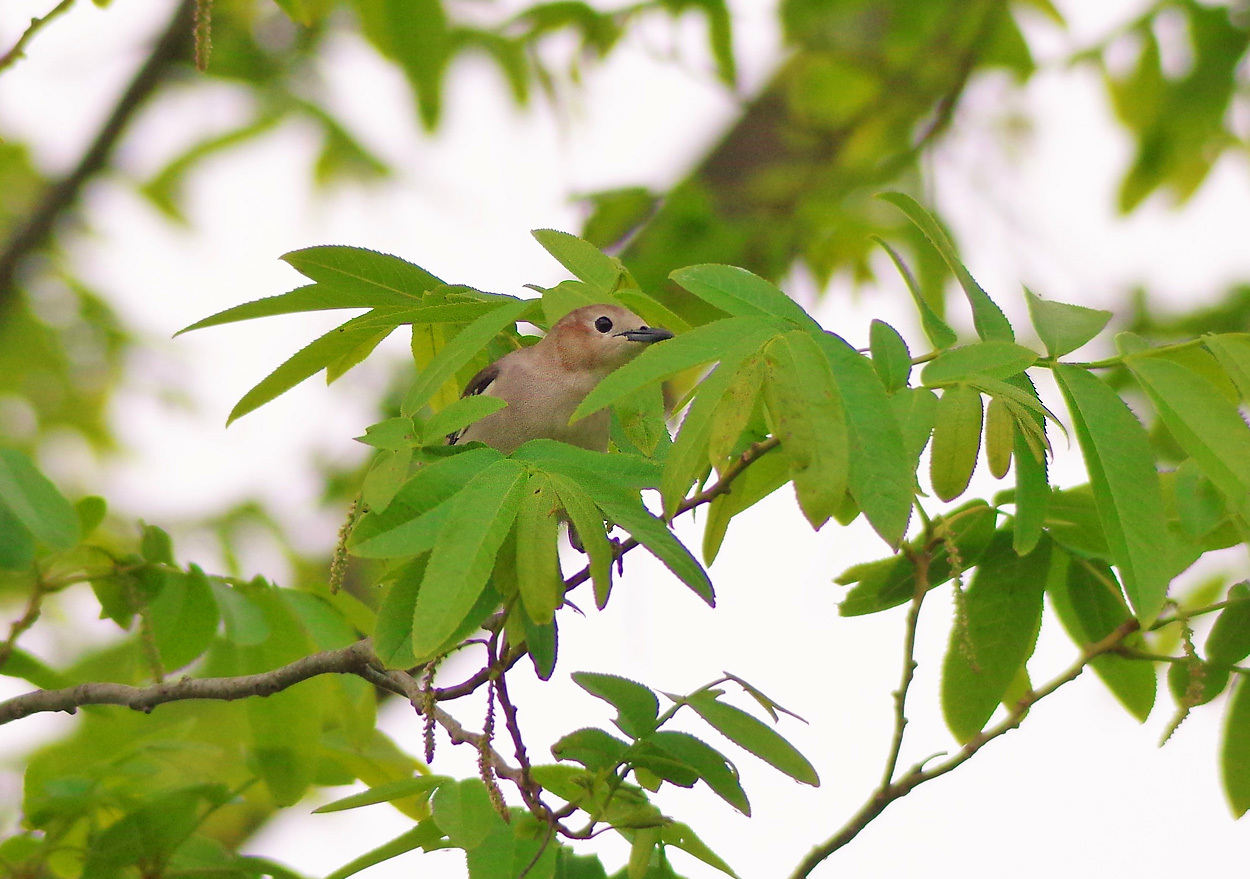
(544, 383)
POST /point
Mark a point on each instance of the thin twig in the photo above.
(28, 619)
(921, 563)
(19, 48)
(918, 775)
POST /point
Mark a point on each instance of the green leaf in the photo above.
(637, 706)
(602, 272)
(758, 481)
(386, 792)
(994, 636)
(363, 277)
(461, 349)
(1032, 486)
(1087, 600)
(587, 520)
(386, 476)
(1235, 750)
(618, 471)
(592, 747)
(688, 460)
(183, 617)
(699, 346)
(1122, 472)
(415, 35)
(890, 357)
(426, 835)
(738, 292)
(956, 441)
(993, 359)
(630, 514)
(1233, 352)
(311, 359)
(32, 499)
(937, 330)
(1062, 327)
(808, 417)
(463, 810)
(543, 643)
(892, 581)
(753, 735)
(537, 556)
(459, 415)
(409, 525)
(881, 478)
(713, 767)
(681, 836)
(988, 318)
(392, 633)
(1229, 640)
(734, 409)
(999, 437)
(1203, 421)
(478, 520)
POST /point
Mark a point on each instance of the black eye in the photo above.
(603, 324)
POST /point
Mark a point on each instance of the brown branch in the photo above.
(918, 775)
(352, 659)
(172, 46)
(19, 48)
(28, 619)
(921, 562)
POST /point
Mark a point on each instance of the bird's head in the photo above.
(599, 338)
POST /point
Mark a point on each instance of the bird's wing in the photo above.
(479, 384)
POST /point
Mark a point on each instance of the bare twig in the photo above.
(28, 619)
(173, 45)
(921, 562)
(918, 775)
(19, 48)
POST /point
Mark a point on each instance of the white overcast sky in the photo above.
(1081, 790)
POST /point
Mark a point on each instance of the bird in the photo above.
(544, 383)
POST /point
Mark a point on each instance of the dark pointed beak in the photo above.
(647, 334)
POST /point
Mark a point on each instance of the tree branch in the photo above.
(19, 48)
(918, 775)
(352, 659)
(173, 45)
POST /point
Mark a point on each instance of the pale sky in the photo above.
(1080, 790)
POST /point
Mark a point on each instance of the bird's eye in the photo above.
(604, 324)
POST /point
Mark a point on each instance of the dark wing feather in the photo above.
(477, 385)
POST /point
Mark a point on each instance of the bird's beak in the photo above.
(647, 334)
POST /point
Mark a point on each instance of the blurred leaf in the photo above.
(385, 793)
(999, 437)
(426, 835)
(1229, 640)
(34, 502)
(1235, 750)
(416, 35)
